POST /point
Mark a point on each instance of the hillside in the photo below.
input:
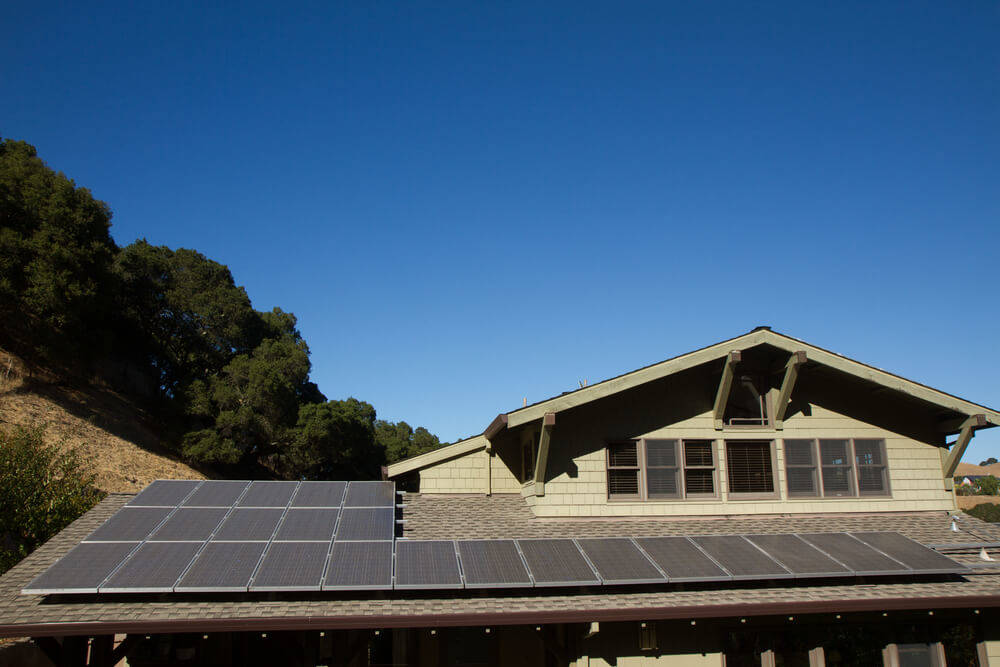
(111, 432)
(973, 469)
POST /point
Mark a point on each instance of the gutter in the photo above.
(285, 623)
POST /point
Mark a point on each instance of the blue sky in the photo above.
(469, 204)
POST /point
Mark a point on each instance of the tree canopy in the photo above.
(229, 384)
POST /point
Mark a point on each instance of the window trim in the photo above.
(855, 491)
(643, 495)
(753, 495)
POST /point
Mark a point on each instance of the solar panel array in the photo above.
(224, 536)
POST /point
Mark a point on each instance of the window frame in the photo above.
(854, 469)
(680, 452)
(754, 495)
(817, 491)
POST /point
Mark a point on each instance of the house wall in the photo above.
(468, 474)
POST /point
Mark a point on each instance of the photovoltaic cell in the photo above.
(216, 493)
(189, 524)
(804, 560)
(854, 554)
(681, 559)
(308, 524)
(153, 568)
(320, 494)
(129, 524)
(371, 494)
(249, 525)
(363, 565)
(557, 562)
(427, 564)
(82, 569)
(492, 563)
(366, 524)
(619, 561)
(291, 566)
(222, 567)
(911, 554)
(741, 558)
(164, 493)
(268, 494)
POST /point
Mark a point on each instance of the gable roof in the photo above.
(758, 336)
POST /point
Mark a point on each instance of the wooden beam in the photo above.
(497, 425)
(725, 386)
(969, 427)
(124, 648)
(787, 384)
(548, 423)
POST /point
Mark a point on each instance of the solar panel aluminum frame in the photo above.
(597, 581)
(847, 572)
(726, 576)
(166, 588)
(902, 570)
(518, 584)
(858, 535)
(255, 586)
(180, 588)
(747, 577)
(611, 581)
(127, 550)
(387, 586)
(458, 564)
(170, 482)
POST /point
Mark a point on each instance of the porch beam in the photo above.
(787, 384)
(725, 386)
(969, 427)
(544, 437)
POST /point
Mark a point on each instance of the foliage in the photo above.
(55, 257)
(400, 441)
(42, 489)
(986, 486)
(986, 512)
(988, 462)
(334, 440)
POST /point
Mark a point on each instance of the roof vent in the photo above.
(761, 327)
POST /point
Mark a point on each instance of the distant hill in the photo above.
(107, 428)
(972, 469)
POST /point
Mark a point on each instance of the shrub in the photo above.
(987, 486)
(42, 490)
(986, 512)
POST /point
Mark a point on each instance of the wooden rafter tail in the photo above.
(725, 387)
(787, 384)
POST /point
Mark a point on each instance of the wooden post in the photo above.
(725, 386)
(969, 427)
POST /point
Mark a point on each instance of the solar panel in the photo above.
(153, 568)
(427, 564)
(319, 494)
(82, 569)
(189, 524)
(371, 494)
(129, 524)
(249, 525)
(911, 554)
(164, 493)
(222, 567)
(216, 493)
(492, 563)
(619, 561)
(366, 524)
(854, 554)
(268, 494)
(296, 566)
(802, 559)
(359, 565)
(741, 558)
(681, 559)
(307, 524)
(557, 562)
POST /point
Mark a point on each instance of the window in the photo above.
(845, 468)
(656, 469)
(623, 470)
(749, 467)
(747, 405)
(528, 458)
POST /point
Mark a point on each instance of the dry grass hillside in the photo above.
(973, 469)
(122, 451)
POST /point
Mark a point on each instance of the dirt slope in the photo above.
(973, 469)
(123, 452)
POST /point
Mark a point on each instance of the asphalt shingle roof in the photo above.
(460, 517)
